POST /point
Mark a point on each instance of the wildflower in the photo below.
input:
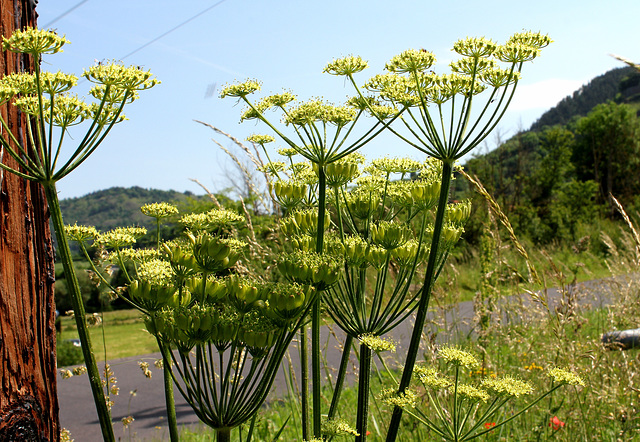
(276, 100)
(489, 425)
(456, 356)
(507, 386)
(126, 421)
(472, 393)
(65, 435)
(159, 210)
(565, 377)
(240, 89)
(94, 319)
(516, 53)
(144, 366)
(395, 399)
(117, 75)
(556, 423)
(80, 233)
(377, 344)
(77, 371)
(475, 47)
(115, 390)
(534, 39)
(56, 83)
(346, 66)
(431, 378)
(66, 374)
(34, 41)
(261, 139)
(411, 60)
(338, 427)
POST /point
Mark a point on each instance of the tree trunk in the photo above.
(28, 394)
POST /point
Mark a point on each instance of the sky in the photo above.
(196, 48)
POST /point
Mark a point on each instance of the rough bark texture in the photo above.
(28, 394)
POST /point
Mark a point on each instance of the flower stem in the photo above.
(363, 393)
(423, 306)
(304, 381)
(315, 312)
(71, 279)
(168, 391)
(223, 434)
(342, 371)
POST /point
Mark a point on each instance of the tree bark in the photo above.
(28, 394)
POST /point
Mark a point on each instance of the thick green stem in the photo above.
(315, 313)
(342, 371)
(79, 313)
(172, 419)
(364, 376)
(423, 306)
(223, 434)
(304, 381)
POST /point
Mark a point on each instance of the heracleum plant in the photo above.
(230, 330)
(119, 240)
(459, 410)
(437, 119)
(52, 110)
(380, 235)
(323, 134)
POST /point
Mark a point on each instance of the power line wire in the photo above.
(65, 13)
(172, 29)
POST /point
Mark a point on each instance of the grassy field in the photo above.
(122, 331)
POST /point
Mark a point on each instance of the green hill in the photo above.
(119, 206)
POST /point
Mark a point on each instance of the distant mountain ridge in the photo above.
(119, 206)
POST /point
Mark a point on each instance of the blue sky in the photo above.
(285, 45)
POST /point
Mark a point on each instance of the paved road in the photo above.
(77, 411)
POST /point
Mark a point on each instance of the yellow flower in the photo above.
(34, 41)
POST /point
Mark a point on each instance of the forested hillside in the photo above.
(617, 84)
(560, 173)
(119, 206)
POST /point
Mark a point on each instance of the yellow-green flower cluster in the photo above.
(346, 66)
(240, 89)
(533, 39)
(506, 386)
(80, 233)
(562, 376)
(377, 343)
(131, 78)
(337, 427)
(134, 255)
(120, 237)
(315, 110)
(411, 61)
(159, 210)
(474, 394)
(472, 66)
(68, 110)
(403, 400)
(260, 139)
(459, 357)
(156, 271)
(475, 47)
(34, 41)
(388, 166)
(216, 218)
(430, 378)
